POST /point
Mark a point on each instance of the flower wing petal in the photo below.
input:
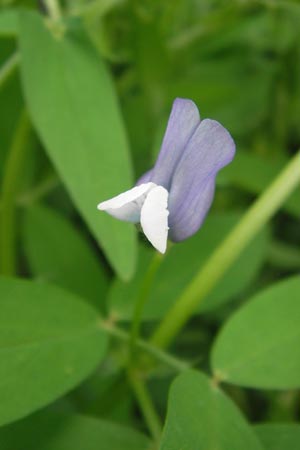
(127, 206)
(190, 218)
(154, 218)
(183, 121)
(210, 149)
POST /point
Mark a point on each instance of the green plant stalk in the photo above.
(9, 67)
(41, 190)
(54, 9)
(141, 301)
(145, 402)
(227, 253)
(12, 174)
(160, 355)
(36, 193)
(137, 383)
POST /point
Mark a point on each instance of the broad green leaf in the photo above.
(260, 345)
(57, 252)
(182, 263)
(53, 431)
(279, 436)
(50, 341)
(240, 173)
(74, 109)
(201, 417)
(9, 22)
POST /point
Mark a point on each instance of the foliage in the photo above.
(119, 348)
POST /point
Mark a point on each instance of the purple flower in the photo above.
(173, 198)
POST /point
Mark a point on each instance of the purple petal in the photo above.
(145, 178)
(210, 149)
(190, 217)
(183, 121)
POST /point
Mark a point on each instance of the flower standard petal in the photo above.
(145, 178)
(127, 206)
(154, 218)
(182, 123)
(210, 149)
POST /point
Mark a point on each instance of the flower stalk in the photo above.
(146, 404)
(141, 301)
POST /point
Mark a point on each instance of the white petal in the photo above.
(154, 218)
(127, 206)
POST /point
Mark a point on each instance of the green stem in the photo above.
(141, 301)
(39, 191)
(12, 174)
(164, 357)
(227, 253)
(145, 402)
(54, 9)
(9, 67)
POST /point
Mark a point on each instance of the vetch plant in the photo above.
(173, 198)
(106, 343)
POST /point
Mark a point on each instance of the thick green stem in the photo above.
(225, 255)
(9, 67)
(146, 405)
(141, 300)
(11, 177)
(54, 9)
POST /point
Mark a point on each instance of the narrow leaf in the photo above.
(74, 108)
(9, 22)
(58, 253)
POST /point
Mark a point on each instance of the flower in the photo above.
(173, 198)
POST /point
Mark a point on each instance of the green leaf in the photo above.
(260, 345)
(180, 265)
(73, 106)
(52, 431)
(279, 436)
(57, 252)
(50, 342)
(9, 22)
(201, 417)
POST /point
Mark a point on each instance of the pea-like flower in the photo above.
(173, 198)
